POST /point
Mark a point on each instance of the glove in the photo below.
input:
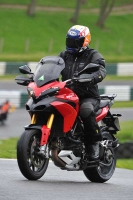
(86, 78)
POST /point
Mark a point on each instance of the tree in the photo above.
(74, 19)
(106, 7)
(31, 8)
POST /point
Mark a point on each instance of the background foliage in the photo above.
(30, 38)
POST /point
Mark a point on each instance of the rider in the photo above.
(77, 56)
(5, 109)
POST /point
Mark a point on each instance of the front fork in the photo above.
(45, 129)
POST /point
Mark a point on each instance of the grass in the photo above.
(8, 77)
(126, 133)
(63, 3)
(8, 150)
(28, 39)
(108, 77)
(125, 163)
(118, 78)
(8, 146)
(123, 104)
(44, 34)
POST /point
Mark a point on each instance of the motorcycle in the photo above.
(56, 130)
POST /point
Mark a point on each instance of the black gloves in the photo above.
(84, 78)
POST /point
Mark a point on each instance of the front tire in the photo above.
(104, 171)
(31, 165)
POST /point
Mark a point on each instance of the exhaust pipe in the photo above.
(66, 160)
(57, 161)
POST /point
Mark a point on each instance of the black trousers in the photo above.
(88, 107)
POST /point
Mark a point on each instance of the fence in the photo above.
(119, 69)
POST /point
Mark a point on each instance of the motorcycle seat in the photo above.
(108, 96)
(104, 103)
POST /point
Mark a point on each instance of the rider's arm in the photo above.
(99, 75)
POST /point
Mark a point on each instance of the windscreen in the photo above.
(48, 69)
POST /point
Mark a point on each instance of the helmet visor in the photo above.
(74, 43)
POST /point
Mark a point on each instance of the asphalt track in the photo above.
(57, 184)
(12, 85)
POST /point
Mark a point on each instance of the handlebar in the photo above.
(67, 81)
(77, 79)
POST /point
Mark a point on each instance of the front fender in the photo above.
(45, 132)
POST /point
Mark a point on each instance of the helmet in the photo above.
(78, 38)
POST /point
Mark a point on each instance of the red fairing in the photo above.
(45, 135)
(68, 94)
(68, 112)
(39, 90)
(102, 114)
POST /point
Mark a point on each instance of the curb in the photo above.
(19, 98)
(119, 69)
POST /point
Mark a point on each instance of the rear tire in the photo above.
(30, 164)
(104, 171)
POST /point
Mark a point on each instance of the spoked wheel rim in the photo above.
(35, 161)
(107, 163)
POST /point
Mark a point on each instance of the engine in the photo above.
(67, 152)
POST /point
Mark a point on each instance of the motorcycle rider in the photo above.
(77, 56)
(4, 110)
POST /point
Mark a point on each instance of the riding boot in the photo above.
(92, 137)
(93, 151)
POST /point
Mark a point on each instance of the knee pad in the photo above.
(86, 109)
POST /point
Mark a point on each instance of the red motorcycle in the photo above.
(56, 130)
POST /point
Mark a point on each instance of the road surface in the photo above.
(59, 184)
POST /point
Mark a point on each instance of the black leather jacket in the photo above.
(77, 63)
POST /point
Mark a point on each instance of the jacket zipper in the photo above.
(73, 68)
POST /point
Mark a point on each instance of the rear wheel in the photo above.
(30, 163)
(104, 171)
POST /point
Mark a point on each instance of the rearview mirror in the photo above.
(25, 69)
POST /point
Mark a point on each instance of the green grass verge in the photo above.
(68, 4)
(107, 78)
(125, 163)
(8, 146)
(45, 33)
(8, 77)
(123, 104)
(118, 78)
(126, 133)
(8, 150)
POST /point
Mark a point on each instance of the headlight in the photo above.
(30, 92)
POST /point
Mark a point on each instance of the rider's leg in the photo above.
(92, 132)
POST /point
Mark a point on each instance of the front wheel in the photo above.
(30, 163)
(104, 171)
